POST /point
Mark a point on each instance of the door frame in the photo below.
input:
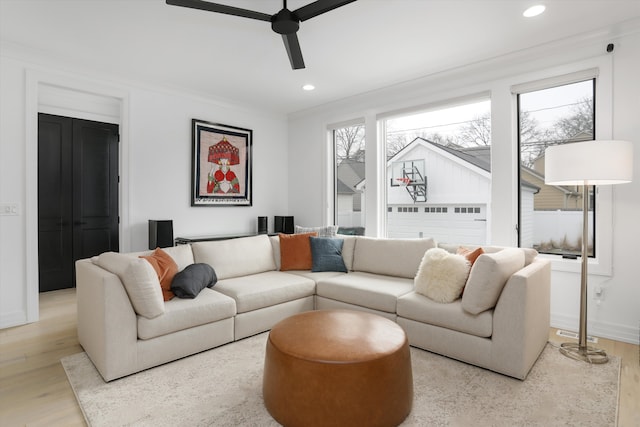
(36, 83)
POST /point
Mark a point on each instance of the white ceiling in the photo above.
(353, 49)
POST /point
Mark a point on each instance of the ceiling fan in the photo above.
(285, 22)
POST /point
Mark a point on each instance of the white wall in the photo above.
(618, 313)
(155, 167)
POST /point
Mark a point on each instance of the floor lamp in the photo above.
(587, 163)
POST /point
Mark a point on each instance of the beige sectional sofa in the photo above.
(252, 295)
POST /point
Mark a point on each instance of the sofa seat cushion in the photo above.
(365, 289)
(209, 306)
(417, 307)
(316, 276)
(265, 289)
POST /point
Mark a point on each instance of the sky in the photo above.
(545, 105)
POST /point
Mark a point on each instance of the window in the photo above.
(348, 143)
(437, 160)
(551, 216)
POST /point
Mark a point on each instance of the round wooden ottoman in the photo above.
(337, 368)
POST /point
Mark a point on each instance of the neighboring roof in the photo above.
(477, 156)
(342, 188)
(349, 173)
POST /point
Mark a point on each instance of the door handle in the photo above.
(79, 223)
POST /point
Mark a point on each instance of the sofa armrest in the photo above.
(107, 324)
(521, 319)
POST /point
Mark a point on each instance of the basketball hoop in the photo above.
(403, 182)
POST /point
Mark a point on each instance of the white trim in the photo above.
(613, 331)
(548, 82)
(34, 80)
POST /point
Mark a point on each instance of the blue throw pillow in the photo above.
(327, 254)
(195, 277)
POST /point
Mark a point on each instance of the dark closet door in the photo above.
(77, 195)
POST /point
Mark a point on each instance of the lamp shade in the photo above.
(589, 163)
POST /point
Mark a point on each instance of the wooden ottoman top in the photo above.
(337, 336)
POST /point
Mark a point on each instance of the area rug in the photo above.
(223, 387)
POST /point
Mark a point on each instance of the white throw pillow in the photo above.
(140, 281)
(487, 278)
(441, 275)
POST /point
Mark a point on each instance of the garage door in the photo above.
(445, 223)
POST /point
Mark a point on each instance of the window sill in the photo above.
(597, 266)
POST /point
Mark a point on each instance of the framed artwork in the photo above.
(221, 165)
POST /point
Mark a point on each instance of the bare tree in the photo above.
(349, 142)
(533, 139)
(580, 121)
(476, 132)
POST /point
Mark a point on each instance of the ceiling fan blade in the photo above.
(220, 8)
(319, 7)
(293, 50)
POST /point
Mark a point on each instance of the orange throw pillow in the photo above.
(165, 268)
(471, 256)
(295, 251)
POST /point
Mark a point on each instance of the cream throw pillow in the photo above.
(487, 278)
(441, 275)
(140, 281)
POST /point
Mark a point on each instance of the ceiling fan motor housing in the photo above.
(285, 22)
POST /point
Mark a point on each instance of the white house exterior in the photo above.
(458, 194)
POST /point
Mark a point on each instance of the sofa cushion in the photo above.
(442, 275)
(236, 257)
(326, 254)
(326, 231)
(365, 289)
(347, 250)
(487, 278)
(265, 289)
(295, 251)
(209, 306)
(189, 282)
(451, 316)
(165, 267)
(181, 254)
(140, 281)
(390, 257)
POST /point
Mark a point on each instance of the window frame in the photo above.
(332, 196)
(591, 189)
(599, 69)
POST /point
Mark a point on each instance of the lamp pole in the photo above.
(582, 351)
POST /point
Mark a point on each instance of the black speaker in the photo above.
(263, 224)
(283, 224)
(160, 233)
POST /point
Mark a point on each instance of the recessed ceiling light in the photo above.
(534, 11)
(308, 87)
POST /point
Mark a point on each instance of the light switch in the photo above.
(7, 209)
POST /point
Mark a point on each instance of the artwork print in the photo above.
(221, 165)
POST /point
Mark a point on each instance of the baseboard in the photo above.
(14, 318)
(607, 330)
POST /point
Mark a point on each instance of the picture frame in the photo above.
(221, 165)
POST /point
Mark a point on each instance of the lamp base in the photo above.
(585, 354)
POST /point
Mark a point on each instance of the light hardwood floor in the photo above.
(34, 390)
